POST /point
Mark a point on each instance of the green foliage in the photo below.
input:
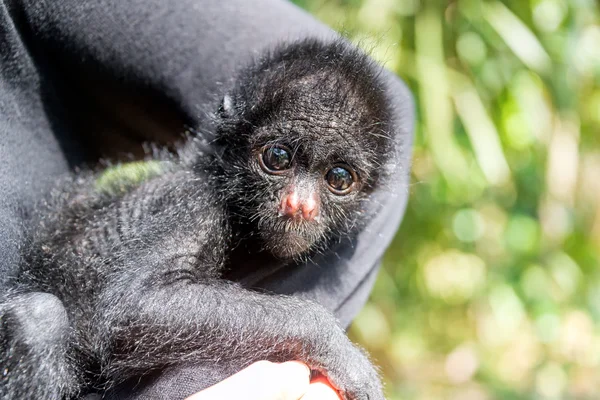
(491, 289)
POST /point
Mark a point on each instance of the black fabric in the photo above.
(69, 68)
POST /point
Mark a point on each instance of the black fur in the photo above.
(147, 271)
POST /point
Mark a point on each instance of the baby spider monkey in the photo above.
(135, 275)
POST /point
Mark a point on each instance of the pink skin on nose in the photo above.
(291, 204)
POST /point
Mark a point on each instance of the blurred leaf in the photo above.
(518, 37)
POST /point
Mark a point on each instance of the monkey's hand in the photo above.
(345, 365)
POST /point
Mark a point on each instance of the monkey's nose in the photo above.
(310, 209)
(294, 207)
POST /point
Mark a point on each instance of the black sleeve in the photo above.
(185, 49)
(53, 54)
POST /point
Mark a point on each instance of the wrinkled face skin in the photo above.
(301, 153)
(304, 187)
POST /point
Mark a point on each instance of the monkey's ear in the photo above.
(226, 108)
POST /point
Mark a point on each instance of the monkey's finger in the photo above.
(262, 380)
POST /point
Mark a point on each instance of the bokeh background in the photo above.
(491, 289)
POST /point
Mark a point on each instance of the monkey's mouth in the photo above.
(289, 239)
(288, 245)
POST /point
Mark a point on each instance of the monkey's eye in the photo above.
(340, 180)
(275, 159)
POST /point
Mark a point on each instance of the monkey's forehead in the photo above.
(312, 123)
(336, 95)
(315, 89)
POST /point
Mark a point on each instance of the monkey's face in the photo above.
(301, 200)
(297, 184)
(304, 135)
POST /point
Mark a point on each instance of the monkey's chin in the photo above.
(288, 245)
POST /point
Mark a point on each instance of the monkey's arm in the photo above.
(156, 320)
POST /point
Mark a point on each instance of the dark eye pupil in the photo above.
(339, 178)
(276, 158)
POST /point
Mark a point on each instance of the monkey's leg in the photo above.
(222, 323)
(33, 338)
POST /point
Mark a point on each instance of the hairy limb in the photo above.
(33, 359)
(219, 322)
